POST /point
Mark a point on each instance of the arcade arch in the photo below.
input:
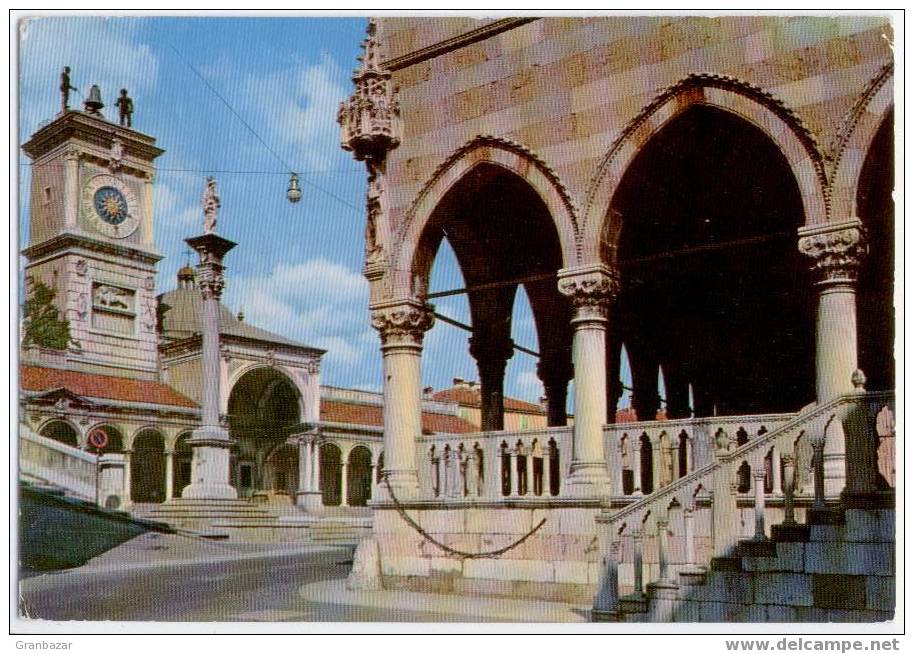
(61, 431)
(147, 467)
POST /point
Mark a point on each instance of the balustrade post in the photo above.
(606, 602)
(789, 488)
(169, 474)
(663, 526)
(818, 469)
(547, 473)
(638, 563)
(777, 484)
(758, 479)
(514, 490)
(725, 513)
(528, 490)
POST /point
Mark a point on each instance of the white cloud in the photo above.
(318, 302)
(300, 103)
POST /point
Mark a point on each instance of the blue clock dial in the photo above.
(110, 205)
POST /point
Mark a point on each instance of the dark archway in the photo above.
(876, 287)
(331, 474)
(147, 467)
(714, 289)
(358, 476)
(501, 230)
(62, 432)
(263, 409)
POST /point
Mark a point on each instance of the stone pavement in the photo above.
(334, 591)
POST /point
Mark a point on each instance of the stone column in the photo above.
(688, 520)
(725, 512)
(758, 481)
(591, 290)
(636, 466)
(836, 250)
(555, 378)
(128, 500)
(344, 483)
(491, 351)
(402, 326)
(169, 474)
(308, 496)
(818, 473)
(210, 442)
(658, 463)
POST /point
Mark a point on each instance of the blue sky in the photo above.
(297, 269)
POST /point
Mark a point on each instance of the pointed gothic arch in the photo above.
(600, 228)
(407, 256)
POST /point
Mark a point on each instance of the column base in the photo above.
(310, 501)
(404, 484)
(597, 615)
(210, 465)
(586, 479)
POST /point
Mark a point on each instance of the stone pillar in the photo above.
(315, 483)
(71, 187)
(491, 351)
(836, 250)
(308, 495)
(658, 464)
(402, 326)
(344, 483)
(591, 290)
(555, 378)
(606, 602)
(663, 554)
(777, 486)
(169, 474)
(758, 482)
(128, 500)
(726, 522)
(688, 521)
(636, 466)
(211, 443)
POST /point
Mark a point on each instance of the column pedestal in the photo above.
(210, 465)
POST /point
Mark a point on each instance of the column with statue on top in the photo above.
(210, 467)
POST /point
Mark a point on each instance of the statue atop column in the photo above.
(65, 88)
(211, 204)
(125, 109)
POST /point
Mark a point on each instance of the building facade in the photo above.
(712, 193)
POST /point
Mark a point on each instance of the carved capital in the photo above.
(590, 289)
(210, 280)
(836, 250)
(487, 346)
(402, 324)
(788, 460)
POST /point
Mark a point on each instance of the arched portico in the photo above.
(61, 431)
(147, 467)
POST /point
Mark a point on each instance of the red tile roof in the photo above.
(471, 397)
(373, 416)
(37, 379)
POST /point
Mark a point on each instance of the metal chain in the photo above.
(450, 550)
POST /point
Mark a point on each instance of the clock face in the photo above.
(110, 205)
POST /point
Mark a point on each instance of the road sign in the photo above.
(98, 439)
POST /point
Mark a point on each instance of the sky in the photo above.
(195, 83)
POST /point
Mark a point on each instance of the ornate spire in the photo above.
(211, 204)
(370, 119)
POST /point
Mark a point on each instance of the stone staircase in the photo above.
(842, 571)
(210, 517)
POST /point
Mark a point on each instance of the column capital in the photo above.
(591, 288)
(487, 346)
(758, 474)
(787, 459)
(402, 323)
(836, 249)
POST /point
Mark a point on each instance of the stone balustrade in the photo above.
(665, 540)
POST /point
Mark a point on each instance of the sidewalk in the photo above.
(153, 549)
(491, 608)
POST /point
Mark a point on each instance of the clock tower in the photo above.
(91, 239)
